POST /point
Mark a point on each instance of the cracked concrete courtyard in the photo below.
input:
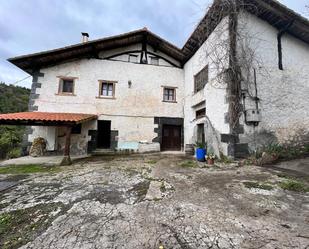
(144, 201)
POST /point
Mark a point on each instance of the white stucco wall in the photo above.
(213, 95)
(131, 112)
(284, 94)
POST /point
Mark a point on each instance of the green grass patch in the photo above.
(258, 185)
(151, 162)
(188, 164)
(282, 175)
(294, 185)
(28, 169)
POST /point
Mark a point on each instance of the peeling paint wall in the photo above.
(284, 94)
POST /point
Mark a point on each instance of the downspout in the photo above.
(279, 36)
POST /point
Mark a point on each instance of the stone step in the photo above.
(102, 152)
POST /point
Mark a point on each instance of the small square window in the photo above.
(154, 61)
(169, 94)
(107, 89)
(66, 86)
(133, 58)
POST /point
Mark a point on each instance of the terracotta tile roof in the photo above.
(46, 117)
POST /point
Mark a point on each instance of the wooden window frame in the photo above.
(60, 86)
(100, 96)
(195, 79)
(175, 94)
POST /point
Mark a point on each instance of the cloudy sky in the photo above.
(37, 25)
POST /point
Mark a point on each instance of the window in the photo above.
(201, 79)
(107, 89)
(200, 113)
(66, 86)
(154, 61)
(169, 94)
(133, 58)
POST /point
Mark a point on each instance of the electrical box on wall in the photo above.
(253, 115)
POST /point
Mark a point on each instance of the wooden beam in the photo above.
(66, 155)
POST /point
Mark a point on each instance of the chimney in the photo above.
(85, 37)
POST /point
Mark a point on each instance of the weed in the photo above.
(294, 185)
(28, 169)
(225, 159)
(5, 220)
(258, 185)
(21, 226)
(284, 152)
(151, 162)
(188, 164)
(162, 187)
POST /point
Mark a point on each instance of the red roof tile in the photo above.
(47, 116)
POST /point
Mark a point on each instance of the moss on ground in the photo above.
(28, 169)
(21, 226)
(293, 185)
(258, 185)
(188, 164)
(151, 161)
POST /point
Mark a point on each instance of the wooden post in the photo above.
(66, 155)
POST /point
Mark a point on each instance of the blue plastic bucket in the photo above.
(200, 154)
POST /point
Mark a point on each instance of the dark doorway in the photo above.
(171, 137)
(104, 134)
(200, 133)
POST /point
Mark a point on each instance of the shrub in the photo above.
(281, 152)
(14, 153)
(10, 138)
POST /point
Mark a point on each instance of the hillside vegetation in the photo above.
(12, 99)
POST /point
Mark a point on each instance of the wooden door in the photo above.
(171, 137)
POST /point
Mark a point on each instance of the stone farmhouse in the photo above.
(239, 82)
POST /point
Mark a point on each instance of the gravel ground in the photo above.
(152, 200)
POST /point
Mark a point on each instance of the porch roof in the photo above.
(45, 118)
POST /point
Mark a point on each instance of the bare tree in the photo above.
(230, 51)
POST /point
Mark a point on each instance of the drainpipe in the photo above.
(279, 36)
